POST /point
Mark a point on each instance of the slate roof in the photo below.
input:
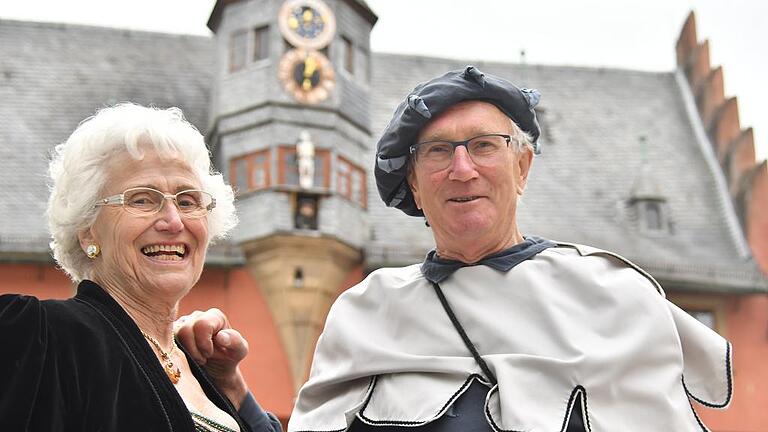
(54, 75)
(592, 120)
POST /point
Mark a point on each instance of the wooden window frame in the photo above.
(260, 35)
(353, 168)
(250, 162)
(323, 154)
(266, 166)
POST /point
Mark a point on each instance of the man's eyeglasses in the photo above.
(145, 201)
(484, 150)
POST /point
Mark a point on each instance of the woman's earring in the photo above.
(92, 251)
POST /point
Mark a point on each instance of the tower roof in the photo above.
(359, 5)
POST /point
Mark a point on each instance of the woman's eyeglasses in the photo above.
(144, 201)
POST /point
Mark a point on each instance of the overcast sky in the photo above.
(633, 34)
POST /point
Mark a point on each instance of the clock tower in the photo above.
(290, 127)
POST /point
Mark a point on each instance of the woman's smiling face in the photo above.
(162, 253)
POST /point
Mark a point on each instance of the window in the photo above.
(652, 215)
(238, 48)
(298, 278)
(250, 172)
(260, 170)
(350, 182)
(710, 310)
(706, 317)
(365, 67)
(343, 174)
(241, 174)
(305, 216)
(348, 55)
(288, 167)
(322, 168)
(356, 194)
(261, 43)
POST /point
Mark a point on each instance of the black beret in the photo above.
(430, 99)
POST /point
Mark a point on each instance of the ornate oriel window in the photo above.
(288, 167)
(251, 172)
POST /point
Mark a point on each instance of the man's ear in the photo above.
(414, 186)
(524, 162)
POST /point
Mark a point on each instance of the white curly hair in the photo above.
(78, 173)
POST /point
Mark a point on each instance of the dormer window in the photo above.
(651, 215)
(647, 204)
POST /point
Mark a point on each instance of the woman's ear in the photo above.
(86, 238)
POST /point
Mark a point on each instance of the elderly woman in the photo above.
(496, 331)
(134, 204)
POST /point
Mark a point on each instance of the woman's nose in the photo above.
(170, 217)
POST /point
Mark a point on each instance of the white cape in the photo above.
(572, 321)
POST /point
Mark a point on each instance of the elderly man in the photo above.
(496, 330)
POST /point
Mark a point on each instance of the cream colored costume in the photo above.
(571, 321)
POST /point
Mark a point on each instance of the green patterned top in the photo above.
(204, 424)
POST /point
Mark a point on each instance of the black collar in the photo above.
(128, 332)
(437, 269)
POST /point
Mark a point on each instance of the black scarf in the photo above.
(437, 269)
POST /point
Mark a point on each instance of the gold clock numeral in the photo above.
(310, 66)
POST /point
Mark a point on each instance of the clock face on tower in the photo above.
(307, 23)
(307, 75)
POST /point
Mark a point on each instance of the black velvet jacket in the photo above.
(82, 365)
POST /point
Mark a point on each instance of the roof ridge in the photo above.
(724, 203)
(57, 25)
(500, 63)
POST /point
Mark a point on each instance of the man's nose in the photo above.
(462, 166)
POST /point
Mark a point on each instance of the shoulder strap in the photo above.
(470, 346)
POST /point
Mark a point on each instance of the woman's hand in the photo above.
(218, 348)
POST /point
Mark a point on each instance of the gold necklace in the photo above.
(171, 370)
